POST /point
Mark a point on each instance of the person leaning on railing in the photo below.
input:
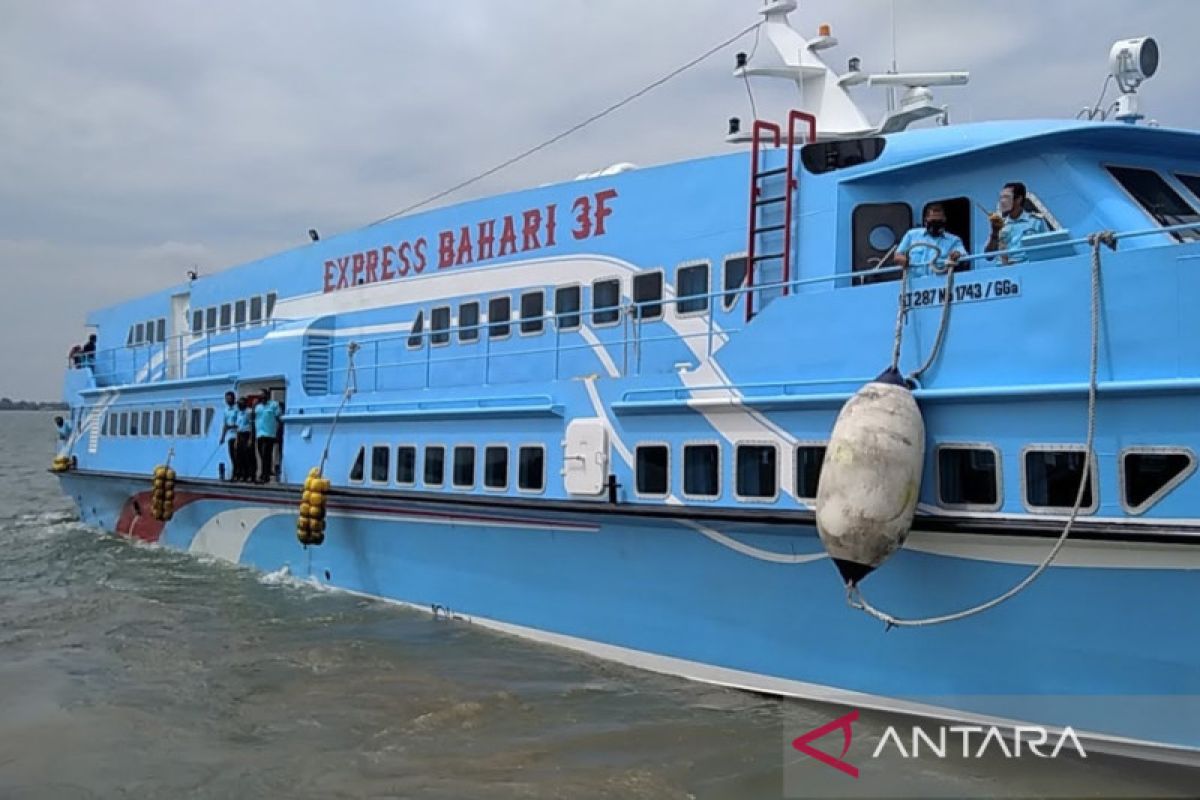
(921, 247)
(1013, 223)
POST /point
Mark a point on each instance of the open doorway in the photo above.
(262, 460)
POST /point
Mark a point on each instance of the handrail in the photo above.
(794, 116)
(759, 126)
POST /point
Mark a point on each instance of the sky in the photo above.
(140, 139)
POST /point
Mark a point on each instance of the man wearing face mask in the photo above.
(949, 247)
(1012, 224)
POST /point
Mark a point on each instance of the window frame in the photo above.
(454, 484)
(639, 311)
(468, 334)
(210, 319)
(532, 446)
(538, 323)
(416, 332)
(741, 498)
(361, 453)
(226, 317)
(425, 465)
(195, 420)
(156, 422)
(637, 490)
(416, 451)
(507, 465)
(506, 324)
(1061, 511)
(683, 468)
(240, 310)
(387, 448)
(1178, 236)
(145, 424)
(250, 314)
(822, 443)
(197, 317)
(435, 332)
(706, 267)
(615, 310)
(1166, 488)
(577, 313)
(995, 451)
(731, 296)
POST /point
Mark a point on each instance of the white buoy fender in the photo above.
(871, 476)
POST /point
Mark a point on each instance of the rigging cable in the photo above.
(573, 129)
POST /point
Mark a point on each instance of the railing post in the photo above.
(375, 371)
(557, 346)
(428, 356)
(486, 332)
(710, 327)
(623, 311)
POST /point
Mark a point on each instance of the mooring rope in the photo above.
(351, 388)
(854, 595)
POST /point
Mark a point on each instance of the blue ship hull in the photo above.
(751, 605)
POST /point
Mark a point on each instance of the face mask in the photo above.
(935, 226)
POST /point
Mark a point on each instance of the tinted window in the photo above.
(464, 466)
(533, 307)
(701, 470)
(840, 154)
(124, 424)
(1150, 474)
(197, 320)
(652, 463)
(406, 465)
(145, 423)
(182, 423)
(239, 312)
(208, 418)
(1192, 182)
(160, 330)
(256, 309)
(735, 278)
(691, 284)
(756, 470)
(210, 319)
(495, 467)
(606, 297)
(439, 325)
(647, 294)
(139, 333)
(379, 463)
(226, 316)
(1162, 202)
(270, 312)
(356, 471)
(968, 477)
(567, 300)
(531, 469)
(499, 311)
(133, 423)
(468, 322)
(196, 422)
(415, 339)
(809, 458)
(435, 465)
(169, 421)
(157, 424)
(1052, 479)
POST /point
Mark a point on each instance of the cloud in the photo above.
(139, 138)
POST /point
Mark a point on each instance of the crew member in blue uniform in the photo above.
(266, 430)
(949, 247)
(63, 428)
(245, 442)
(229, 429)
(1013, 223)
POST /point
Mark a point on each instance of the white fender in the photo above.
(871, 477)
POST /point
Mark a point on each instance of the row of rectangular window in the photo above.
(531, 466)
(968, 477)
(149, 332)
(255, 310)
(160, 422)
(691, 285)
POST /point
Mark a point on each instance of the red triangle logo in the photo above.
(802, 743)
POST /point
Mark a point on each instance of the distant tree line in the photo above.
(7, 404)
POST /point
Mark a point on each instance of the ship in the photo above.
(602, 413)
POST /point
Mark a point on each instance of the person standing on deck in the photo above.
(244, 466)
(266, 429)
(63, 428)
(89, 352)
(916, 249)
(229, 429)
(1012, 224)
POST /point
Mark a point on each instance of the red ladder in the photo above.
(758, 201)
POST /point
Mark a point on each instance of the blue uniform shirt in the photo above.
(920, 258)
(242, 420)
(64, 431)
(1015, 231)
(266, 419)
(231, 413)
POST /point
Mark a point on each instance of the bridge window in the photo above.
(226, 316)
(1149, 473)
(468, 322)
(239, 313)
(255, 310)
(197, 322)
(157, 423)
(533, 308)
(823, 157)
(464, 467)
(406, 465)
(169, 421)
(495, 467)
(1052, 477)
(735, 279)
(809, 458)
(182, 422)
(209, 413)
(145, 423)
(133, 423)
(1192, 182)
(691, 285)
(380, 463)
(1160, 201)
(499, 312)
(434, 474)
(652, 469)
(757, 471)
(139, 333)
(702, 470)
(969, 477)
(415, 334)
(439, 325)
(606, 299)
(567, 300)
(210, 319)
(647, 294)
(356, 470)
(270, 312)
(531, 468)
(124, 423)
